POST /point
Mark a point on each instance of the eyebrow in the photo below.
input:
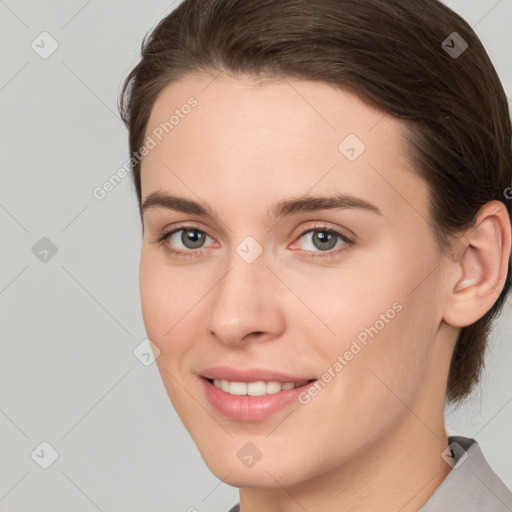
(302, 204)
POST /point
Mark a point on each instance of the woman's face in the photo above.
(263, 289)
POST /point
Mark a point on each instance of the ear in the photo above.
(480, 271)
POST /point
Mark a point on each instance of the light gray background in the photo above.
(69, 325)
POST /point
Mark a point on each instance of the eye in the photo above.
(190, 237)
(320, 239)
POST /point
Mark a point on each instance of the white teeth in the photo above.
(273, 387)
(238, 388)
(258, 388)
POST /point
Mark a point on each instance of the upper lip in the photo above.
(250, 375)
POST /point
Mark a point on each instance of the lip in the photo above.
(250, 408)
(250, 375)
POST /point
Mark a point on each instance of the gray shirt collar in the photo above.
(471, 485)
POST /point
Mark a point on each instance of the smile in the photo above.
(251, 401)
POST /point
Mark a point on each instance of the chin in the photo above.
(272, 472)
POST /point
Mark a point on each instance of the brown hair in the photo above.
(394, 53)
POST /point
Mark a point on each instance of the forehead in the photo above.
(284, 137)
(286, 104)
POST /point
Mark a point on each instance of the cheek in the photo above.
(357, 302)
(366, 398)
(164, 311)
(383, 334)
(169, 303)
(162, 298)
(393, 365)
(151, 289)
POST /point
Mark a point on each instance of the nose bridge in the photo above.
(244, 301)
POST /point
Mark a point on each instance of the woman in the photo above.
(324, 192)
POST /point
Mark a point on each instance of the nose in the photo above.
(246, 304)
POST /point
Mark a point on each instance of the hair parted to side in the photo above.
(388, 52)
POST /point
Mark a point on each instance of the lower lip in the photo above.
(250, 408)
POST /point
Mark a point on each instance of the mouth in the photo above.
(252, 401)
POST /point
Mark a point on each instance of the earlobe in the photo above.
(484, 265)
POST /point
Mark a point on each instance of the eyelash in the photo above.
(162, 241)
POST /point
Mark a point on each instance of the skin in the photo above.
(372, 438)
